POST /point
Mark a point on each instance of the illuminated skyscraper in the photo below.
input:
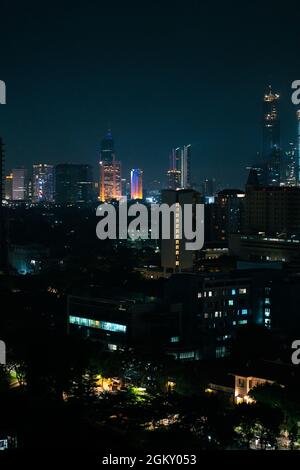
(271, 154)
(180, 168)
(43, 183)
(19, 184)
(8, 187)
(136, 183)
(110, 171)
(298, 142)
(174, 256)
(290, 166)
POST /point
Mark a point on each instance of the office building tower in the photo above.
(136, 183)
(174, 256)
(19, 184)
(186, 167)
(271, 154)
(43, 183)
(74, 184)
(224, 215)
(8, 187)
(208, 187)
(3, 227)
(110, 171)
(289, 166)
(298, 145)
(179, 173)
(272, 211)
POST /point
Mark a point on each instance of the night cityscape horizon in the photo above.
(149, 232)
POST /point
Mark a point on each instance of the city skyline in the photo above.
(78, 82)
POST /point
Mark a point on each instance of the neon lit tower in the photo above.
(136, 183)
(110, 171)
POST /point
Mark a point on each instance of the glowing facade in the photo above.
(136, 183)
(110, 171)
(43, 183)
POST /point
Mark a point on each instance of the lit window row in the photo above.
(101, 325)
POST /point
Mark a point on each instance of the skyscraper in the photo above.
(110, 171)
(186, 167)
(19, 183)
(174, 256)
(271, 155)
(43, 182)
(298, 145)
(289, 167)
(8, 187)
(74, 183)
(136, 183)
(179, 172)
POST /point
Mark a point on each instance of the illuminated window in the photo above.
(220, 351)
(210, 293)
(267, 301)
(243, 322)
(267, 312)
(243, 291)
(177, 263)
(187, 355)
(174, 339)
(206, 315)
(199, 295)
(244, 311)
(102, 325)
(230, 302)
(233, 291)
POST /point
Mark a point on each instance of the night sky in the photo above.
(158, 75)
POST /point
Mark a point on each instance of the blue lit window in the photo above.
(230, 302)
(244, 311)
(233, 291)
(267, 312)
(243, 322)
(174, 339)
(267, 301)
(102, 325)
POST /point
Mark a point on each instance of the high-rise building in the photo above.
(136, 183)
(43, 183)
(272, 211)
(174, 256)
(179, 173)
(19, 184)
(271, 154)
(110, 171)
(8, 187)
(186, 167)
(290, 166)
(74, 184)
(208, 187)
(224, 215)
(298, 145)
